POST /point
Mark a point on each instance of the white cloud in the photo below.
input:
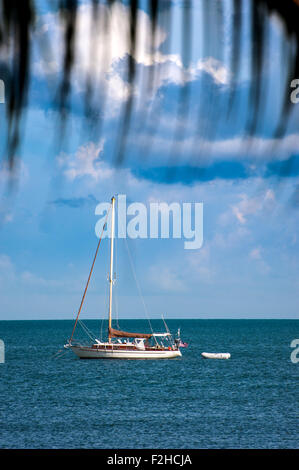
(215, 68)
(257, 150)
(7, 270)
(13, 278)
(101, 43)
(255, 253)
(270, 195)
(33, 280)
(171, 71)
(259, 147)
(19, 172)
(86, 162)
(200, 264)
(248, 206)
(166, 279)
(6, 214)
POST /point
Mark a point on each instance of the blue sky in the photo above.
(248, 264)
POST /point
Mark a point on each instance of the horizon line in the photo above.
(152, 318)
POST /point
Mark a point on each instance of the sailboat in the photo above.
(123, 344)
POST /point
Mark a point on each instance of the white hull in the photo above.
(92, 353)
(215, 355)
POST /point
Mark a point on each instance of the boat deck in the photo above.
(125, 347)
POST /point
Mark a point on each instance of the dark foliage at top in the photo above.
(17, 23)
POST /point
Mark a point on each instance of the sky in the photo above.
(247, 266)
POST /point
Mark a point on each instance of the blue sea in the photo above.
(249, 401)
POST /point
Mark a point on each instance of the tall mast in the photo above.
(111, 268)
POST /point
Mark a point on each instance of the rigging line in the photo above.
(103, 316)
(82, 324)
(104, 311)
(135, 277)
(116, 308)
(139, 289)
(106, 302)
(86, 287)
(116, 274)
(165, 324)
(59, 356)
(87, 331)
(56, 354)
(86, 327)
(101, 329)
(114, 280)
(169, 338)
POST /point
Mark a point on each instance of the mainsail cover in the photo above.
(124, 334)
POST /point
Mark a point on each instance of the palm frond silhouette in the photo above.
(17, 40)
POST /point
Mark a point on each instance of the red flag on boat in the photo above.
(183, 345)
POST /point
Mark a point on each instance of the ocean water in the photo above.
(249, 401)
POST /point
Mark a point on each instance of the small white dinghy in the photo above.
(215, 355)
